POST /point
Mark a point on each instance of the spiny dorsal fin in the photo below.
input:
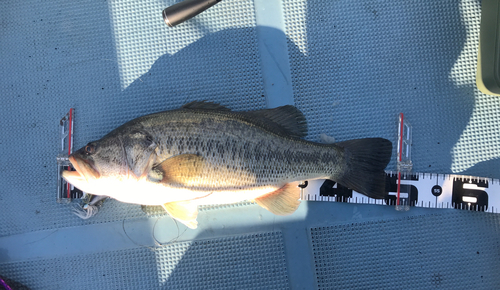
(284, 120)
(183, 211)
(287, 118)
(283, 201)
(204, 105)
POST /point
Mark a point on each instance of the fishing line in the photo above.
(157, 243)
(137, 244)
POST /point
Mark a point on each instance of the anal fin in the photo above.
(283, 201)
(184, 211)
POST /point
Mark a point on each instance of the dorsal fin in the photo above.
(284, 120)
(287, 118)
(204, 105)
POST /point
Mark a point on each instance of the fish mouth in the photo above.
(84, 171)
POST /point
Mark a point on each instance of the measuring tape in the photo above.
(406, 189)
(428, 190)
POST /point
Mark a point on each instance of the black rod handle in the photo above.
(185, 10)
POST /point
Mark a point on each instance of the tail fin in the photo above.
(366, 161)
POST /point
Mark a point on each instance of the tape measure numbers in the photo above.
(422, 189)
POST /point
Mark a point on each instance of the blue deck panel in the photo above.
(350, 66)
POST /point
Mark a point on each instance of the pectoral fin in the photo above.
(283, 201)
(183, 211)
(181, 169)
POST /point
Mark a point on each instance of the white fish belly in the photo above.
(142, 191)
(148, 193)
(227, 197)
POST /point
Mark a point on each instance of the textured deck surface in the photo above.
(350, 66)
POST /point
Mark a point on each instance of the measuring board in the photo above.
(404, 189)
(419, 189)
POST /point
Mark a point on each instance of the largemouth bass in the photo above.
(204, 153)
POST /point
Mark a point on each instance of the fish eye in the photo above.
(89, 149)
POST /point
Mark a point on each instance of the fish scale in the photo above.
(204, 153)
(245, 151)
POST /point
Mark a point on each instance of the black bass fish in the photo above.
(204, 153)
